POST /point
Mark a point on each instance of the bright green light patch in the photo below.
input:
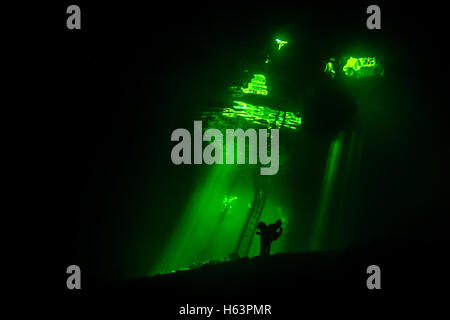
(257, 85)
(354, 67)
(360, 67)
(281, 43)
(329, 68)
(228, 200)
(263, 115)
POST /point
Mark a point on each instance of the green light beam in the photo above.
(196, 237)
(329, 178)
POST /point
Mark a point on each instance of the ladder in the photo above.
(248, 232)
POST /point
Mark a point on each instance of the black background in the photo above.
(111, 87)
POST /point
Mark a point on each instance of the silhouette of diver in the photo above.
(268, 233)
